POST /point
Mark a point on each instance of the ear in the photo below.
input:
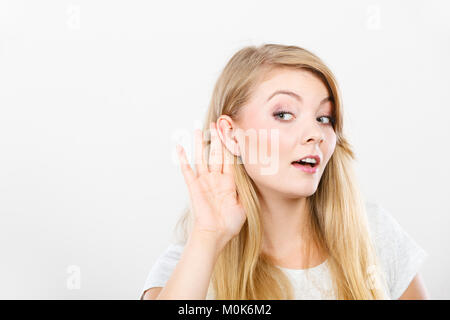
(226, 129)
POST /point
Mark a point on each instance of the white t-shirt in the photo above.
(400, 258)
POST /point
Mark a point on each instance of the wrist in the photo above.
(212, 240)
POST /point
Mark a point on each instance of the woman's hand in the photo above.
(212, 189)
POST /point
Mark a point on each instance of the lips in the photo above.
(316, 157)
(305, 168)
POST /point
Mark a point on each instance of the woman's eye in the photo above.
(282, 113)
(329, 119)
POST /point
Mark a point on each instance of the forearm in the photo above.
(191, 277)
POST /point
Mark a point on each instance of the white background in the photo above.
(93, 94)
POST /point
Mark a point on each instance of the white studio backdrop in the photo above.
(93, 95)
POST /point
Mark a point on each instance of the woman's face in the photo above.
(275, 129)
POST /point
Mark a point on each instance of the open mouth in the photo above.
(308, 164)
(304, 163)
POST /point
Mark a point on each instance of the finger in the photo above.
(200, 161)
(215, 152)
(188, 173)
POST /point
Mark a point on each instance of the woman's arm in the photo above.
(151, 294)
(191, 277)
(218, 217)
(416, 290)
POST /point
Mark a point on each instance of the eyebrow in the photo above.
(296, 96)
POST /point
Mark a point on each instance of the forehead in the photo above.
(301, 81)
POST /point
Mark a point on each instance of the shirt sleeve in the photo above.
(163, 267)
(400, 255)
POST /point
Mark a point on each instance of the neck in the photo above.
(284, 222)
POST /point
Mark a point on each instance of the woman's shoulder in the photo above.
(174, 250)
(164, 265)
(400, 255)
(385, 229)
(170, 256)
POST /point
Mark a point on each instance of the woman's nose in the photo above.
(312, 133)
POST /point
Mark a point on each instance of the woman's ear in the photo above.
(226, 130)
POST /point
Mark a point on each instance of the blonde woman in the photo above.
(275, 211)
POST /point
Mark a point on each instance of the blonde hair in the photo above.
(337, 221)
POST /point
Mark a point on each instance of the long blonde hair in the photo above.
(337, 220)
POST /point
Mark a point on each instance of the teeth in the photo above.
(309, 160)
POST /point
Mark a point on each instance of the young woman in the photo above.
(261, 223)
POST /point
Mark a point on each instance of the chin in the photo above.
(297, 193)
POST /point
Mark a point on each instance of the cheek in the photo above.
(272, 151)
(259, 143)
(270, 146)
(330, 146)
